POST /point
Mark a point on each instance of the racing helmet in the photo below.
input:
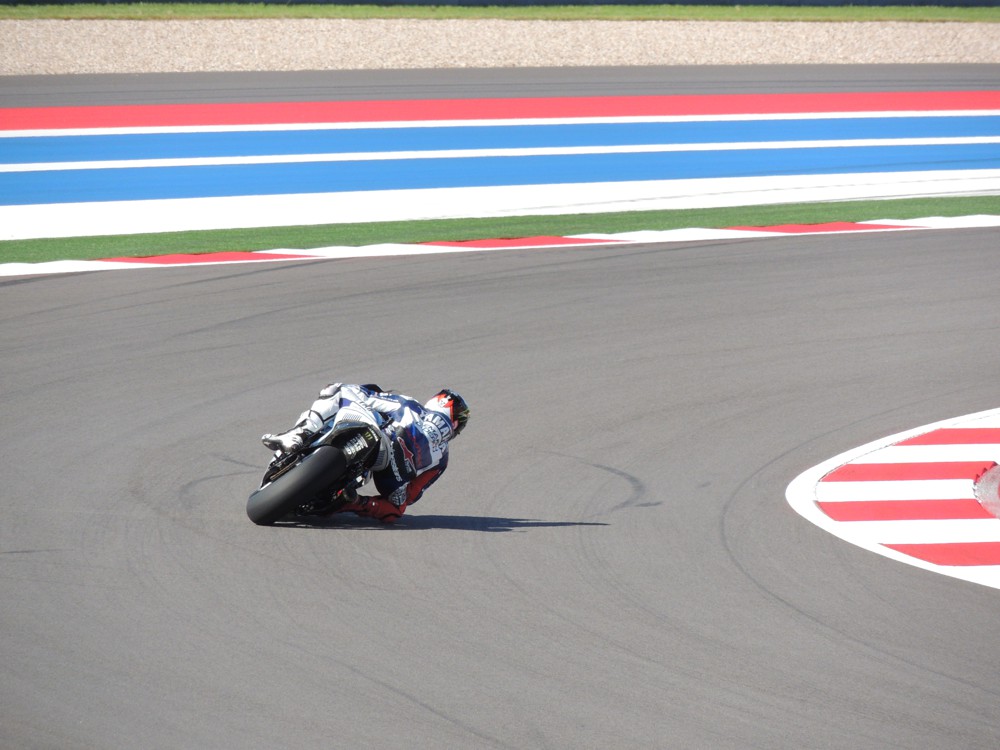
(452, 406)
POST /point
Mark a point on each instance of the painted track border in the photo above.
(582, 241)
(801, 494)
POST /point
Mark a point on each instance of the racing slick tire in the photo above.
(316, 473)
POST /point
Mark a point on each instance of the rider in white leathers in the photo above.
(415, 439)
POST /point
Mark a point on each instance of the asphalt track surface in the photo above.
(608, 562)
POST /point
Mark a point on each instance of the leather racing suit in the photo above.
(414, 449)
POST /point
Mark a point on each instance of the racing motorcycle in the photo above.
(318, 477)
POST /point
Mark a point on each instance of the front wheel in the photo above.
(314, 474)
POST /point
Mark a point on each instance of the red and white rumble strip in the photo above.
(428, 248)
(927, 497)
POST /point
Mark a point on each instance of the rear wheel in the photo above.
(315, 474)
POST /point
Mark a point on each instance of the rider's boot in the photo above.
(375, 507)
(284, 442)
(309, 422)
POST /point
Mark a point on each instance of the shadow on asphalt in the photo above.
(427, 522)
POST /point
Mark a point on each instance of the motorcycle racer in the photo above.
(414, 440)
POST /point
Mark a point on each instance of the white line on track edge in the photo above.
(56, 166)
(382, 125)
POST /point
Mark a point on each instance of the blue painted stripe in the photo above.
(71, 186)
(46, 149)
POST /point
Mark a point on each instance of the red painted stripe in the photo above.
(837, 226)
(520, 242)
(953, 553)
(957, 436)
(904, 510)
(206, 258)
(264, 113)
(903, 472)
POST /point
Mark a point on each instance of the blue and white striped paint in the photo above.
(130, 180)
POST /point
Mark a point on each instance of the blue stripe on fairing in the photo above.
(42, 149)
(74, 186)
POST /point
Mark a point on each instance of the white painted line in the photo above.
(928, 489)
(992, 419)
(685, 235)
(381, 125)
(386, 250)
(209, 161)
(946, 222)
(926, 532)
(63, 266)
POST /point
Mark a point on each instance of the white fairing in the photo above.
(346, 406)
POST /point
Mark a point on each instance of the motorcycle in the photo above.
(316, 478)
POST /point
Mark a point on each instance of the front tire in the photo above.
(314, 474)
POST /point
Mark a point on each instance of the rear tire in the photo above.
(314, 474)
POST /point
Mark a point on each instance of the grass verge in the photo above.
(163, 11)
(83, 248)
